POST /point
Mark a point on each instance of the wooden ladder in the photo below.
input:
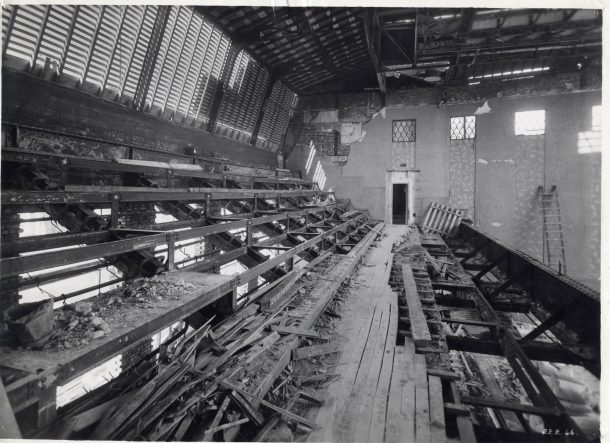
(553, 232)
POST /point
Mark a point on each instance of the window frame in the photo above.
(464, 128)
(414, 132)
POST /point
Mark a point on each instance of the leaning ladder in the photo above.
(553, 232)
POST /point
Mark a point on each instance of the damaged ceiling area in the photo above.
(354, 49)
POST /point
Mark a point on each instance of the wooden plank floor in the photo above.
(383, 392)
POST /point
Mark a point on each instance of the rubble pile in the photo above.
(79, 323)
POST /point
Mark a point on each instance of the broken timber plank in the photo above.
(419, 325)
(444, 374)
(269, 405)
(437, 412)
(395, 429)
(316, 350)
(228, 425)
(260, 347)
(408, 393)
(336, 390)
(357, 413)
(8, 424)
(378, 415)
(223, 407)
(287, 330)
(247, 408)
(422, 402)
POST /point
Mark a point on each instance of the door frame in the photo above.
(411, 179)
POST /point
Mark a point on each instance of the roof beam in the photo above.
(367, 23)
(465, 26)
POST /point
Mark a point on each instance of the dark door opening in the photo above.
(399, 204)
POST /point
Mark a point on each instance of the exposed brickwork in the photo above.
(325, 142)
(136, 215)
(356, 107)
(135, 355)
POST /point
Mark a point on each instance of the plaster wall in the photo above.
(498, 179)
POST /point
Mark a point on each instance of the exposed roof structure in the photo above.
(317, 48)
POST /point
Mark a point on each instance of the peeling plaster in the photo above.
(484, 109)
(326, 117)
(381, 111)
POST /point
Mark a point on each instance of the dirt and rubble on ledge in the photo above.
(79, 323)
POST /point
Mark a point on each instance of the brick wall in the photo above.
(136, 215)
(134, 355)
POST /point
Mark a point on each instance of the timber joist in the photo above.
(544, 285)
(503, 340)
(133, 194)
(18, 265)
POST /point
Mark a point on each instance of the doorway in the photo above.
(399, 204)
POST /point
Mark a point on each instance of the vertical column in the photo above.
(9, 294)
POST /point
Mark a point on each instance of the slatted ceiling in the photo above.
(195, 67)
(199, 106)
(55, 35)
(163, 51)
(212, 82)
(251, 81)
(25, 31)
(7, 10)
(257, 101)
(178, 36)
(82, 39)
(273, 121)
(107, 38)
(127, 37)
(186, 57)
(139, 53)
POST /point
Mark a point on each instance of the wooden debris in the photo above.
(247, 408)
(284, 330)
(282, 411)
(419, 325)
(315, 378)
(310, 397)
(8, 424)
(443, 373)
(260, 347)
(228, 425)
(223, 407)
(316, 350)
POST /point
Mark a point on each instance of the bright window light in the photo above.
(530, 122)
(596, 120)
(312, 154)
(90, 380)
